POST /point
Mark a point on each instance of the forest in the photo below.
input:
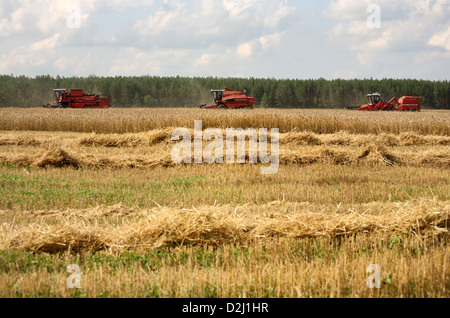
(155, 91)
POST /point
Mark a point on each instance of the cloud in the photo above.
(441, 39)
(406, 26)
(215, 34)
(346, 10)
(209, 22)
(166, 18)
(269, 40)
(44, 16)
(132, 61)
(122, 5)
(47, 45)
(245, 50)
(258, 46)
(32, 55)
(41, 16)
(281, 12)
(205, 59)
(199, 33)
(237, 8)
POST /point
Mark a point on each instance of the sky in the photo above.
(227, 38)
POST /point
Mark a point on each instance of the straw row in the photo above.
(79, 230)
(56, 156)
(296, 138)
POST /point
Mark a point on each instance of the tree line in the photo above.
(155, 91)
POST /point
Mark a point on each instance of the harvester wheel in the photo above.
(222, 106)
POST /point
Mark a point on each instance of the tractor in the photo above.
(229, 99)
(76, 98)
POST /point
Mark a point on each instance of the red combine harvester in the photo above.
(78, 99)
(406, 103)
(227, 98)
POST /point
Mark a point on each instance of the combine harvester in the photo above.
(76, 98)
(227, 98)
(406, 103)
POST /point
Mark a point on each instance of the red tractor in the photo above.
(227, 98)
(78, 99)
(406, 103)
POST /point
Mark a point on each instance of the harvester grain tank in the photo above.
(227, 98)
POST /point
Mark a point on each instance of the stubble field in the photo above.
(98, 188)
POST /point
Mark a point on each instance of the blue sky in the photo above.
(244, 38)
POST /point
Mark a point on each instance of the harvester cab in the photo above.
(60, 94)
(217, 94)
(374, 98)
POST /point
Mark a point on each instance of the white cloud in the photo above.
(130, 61)
(121, 5)
(31, 16)
(346, 9)
(247, 27)
(236, 8)
(270, 40)
(406, 26)
(281, 12)
(215, 16)
(258, 46)
(441, 39)
(47, 16)
(166, 18)
(205, 59)
(245, 50)
(45, 45)
(32, 55)
(203, 32)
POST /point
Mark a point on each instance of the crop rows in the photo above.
(141, 120)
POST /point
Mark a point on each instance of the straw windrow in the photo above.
(142, 229)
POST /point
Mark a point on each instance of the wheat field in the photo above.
(98, 188)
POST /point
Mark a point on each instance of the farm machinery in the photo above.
(227, 98)
(76, 98)
(406, 103)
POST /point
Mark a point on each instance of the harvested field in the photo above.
(98, 188)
